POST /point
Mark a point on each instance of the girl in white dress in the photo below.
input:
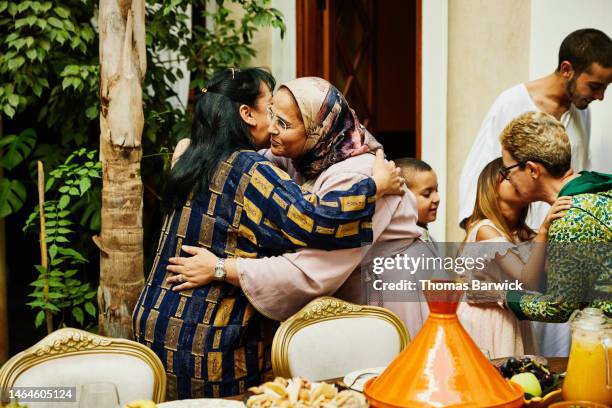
(513, 251)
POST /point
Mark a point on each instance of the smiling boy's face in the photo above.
(424, 185)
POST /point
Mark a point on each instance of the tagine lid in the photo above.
(442, 367)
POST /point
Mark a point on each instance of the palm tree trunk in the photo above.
(122, 69)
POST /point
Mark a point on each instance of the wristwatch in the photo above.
(220, 273)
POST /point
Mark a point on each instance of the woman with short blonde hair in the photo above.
(538, 137)
(536, 156)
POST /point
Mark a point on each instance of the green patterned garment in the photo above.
(578, 266)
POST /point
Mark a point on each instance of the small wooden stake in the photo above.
(44, 260)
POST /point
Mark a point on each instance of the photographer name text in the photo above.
(406, 285)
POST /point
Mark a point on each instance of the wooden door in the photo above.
(369, 49)
(337, 45)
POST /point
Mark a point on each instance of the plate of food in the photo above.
(299, 392)
(540, 385)
(355, 380)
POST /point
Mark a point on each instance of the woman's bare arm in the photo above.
(532, 271)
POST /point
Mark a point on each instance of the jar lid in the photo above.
(591, 319)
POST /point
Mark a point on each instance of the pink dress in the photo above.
(492, 327)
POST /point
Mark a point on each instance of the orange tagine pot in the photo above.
(442, 367)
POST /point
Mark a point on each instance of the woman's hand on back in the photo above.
(557, 210)
(387, 176)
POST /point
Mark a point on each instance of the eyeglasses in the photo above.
(277, 120)
(505, 171)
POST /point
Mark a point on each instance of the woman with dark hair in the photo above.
(321, 141)
(248, 93)
(224, 196)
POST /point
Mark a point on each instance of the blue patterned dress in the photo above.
(211, 340)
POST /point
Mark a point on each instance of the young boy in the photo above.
(423, 182)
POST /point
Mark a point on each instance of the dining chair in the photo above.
(71, 357)
(329, 338)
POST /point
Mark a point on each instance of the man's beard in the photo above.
(570, 90)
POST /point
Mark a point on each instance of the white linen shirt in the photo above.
(510, 104)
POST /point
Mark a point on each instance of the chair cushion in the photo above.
(342, 345)
(132, 376)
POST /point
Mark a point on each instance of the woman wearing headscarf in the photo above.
(325, 148)
(224, 196)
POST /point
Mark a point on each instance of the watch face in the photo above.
(219, 272)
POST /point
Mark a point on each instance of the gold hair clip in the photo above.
(204, 90)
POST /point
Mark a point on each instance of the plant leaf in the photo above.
(91, 112)
(90, 308)
(52, 307)
(55, 22)
(62, 12)
(36, 303)
(77, 312)
(63, 202)
(41, 269)
(9, 110)
(84, 184)
(12, 196)
(19, 147)
(40, 316)
(72, 253)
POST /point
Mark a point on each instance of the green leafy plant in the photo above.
(14, 149)
(206, 49)
(228, 42)
(49, 107)
(49, 65)
(58, 288)
(45, 39)
(40, 34)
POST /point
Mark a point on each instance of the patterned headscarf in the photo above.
(333, 132)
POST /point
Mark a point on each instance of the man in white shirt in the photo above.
(583, 72)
